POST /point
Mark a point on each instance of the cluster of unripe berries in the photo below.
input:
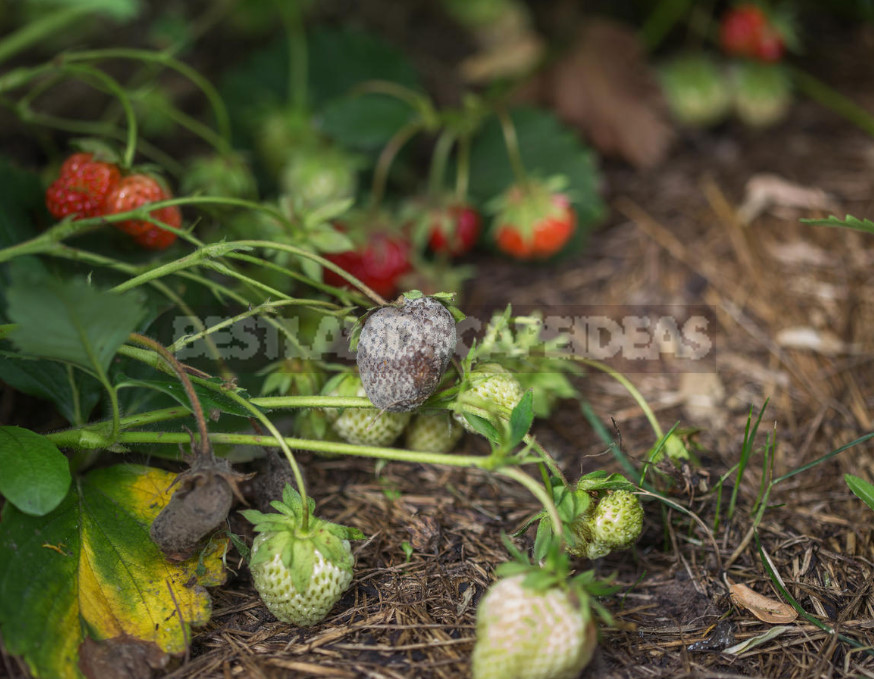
(87, 187)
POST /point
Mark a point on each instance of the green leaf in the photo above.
(848, 222)
(71, 321)
(861, 488)
(210, 400)
(120, 10)
(340, 59)
(365, 122)
(34, 474)
(521, 418)
(52, 381)
(90, 568)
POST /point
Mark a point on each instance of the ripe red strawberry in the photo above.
(454, 229)
(533, 222)
(81, 187)
(379, 264)
(134, 191)
(747, 30)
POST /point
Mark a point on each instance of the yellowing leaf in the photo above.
(89, 569)
(765, 609)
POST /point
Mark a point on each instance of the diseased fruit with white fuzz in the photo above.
(403, 351)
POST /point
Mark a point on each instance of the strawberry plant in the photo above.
(150, 355)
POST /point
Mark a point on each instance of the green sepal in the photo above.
(521, 419)
(601, 480)
(304, 559)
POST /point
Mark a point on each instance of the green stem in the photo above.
(286, 450)
(387, 156)
(830, 98)
(306, 254)
(428, 116)
(254, 311)
(70, 438)
(210, 92)
(298, 56)
(118, 91)
(462, 172)
(514, 153)
(629, 387)
(439, 161)
(196, 408)
(540, 493)
(276, 402)
(51, 23)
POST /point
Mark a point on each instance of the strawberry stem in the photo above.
(111, 85)
(386, 158)
(629, 387)
(298, 55)
(203, 445)
(462, 171)
(220, 113)
(511, 140)
(439, 161)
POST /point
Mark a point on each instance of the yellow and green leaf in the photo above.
(89, 569)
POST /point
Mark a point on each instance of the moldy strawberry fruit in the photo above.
(403, 351)
(82, 187)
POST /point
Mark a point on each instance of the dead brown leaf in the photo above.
(604, 86)
(765, 609)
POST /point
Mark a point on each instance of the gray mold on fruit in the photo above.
(403, 352)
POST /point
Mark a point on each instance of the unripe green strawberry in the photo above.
(363, 426)
(316, 175)
(526, 633)
(762, 93)
(299, 572)
(492, 387)
(696, 90)
(437, 433)
(614, 524)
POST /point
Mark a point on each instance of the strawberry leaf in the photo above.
(74, 395)
(89, 568)
(36, 475)
(70, 321)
